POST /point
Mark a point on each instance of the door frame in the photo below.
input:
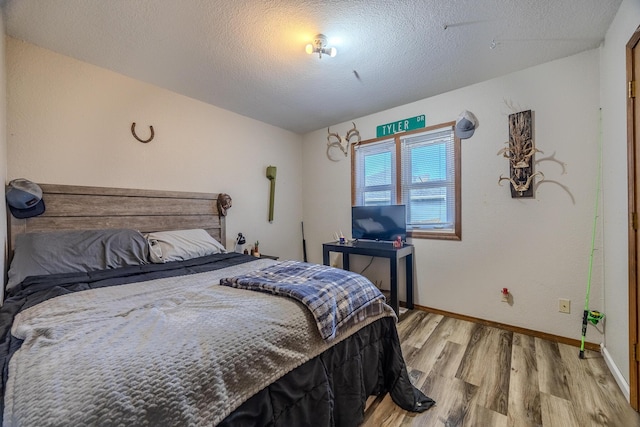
(632, 170)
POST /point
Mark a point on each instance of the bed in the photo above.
(96, 331)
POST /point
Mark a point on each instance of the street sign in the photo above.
(401, 126)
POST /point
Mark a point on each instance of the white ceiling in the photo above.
(248, 56)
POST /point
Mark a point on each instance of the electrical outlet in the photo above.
(564, 305)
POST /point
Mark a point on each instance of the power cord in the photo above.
(370, 262)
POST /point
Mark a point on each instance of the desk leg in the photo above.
(409, 264)
(345, 261)
(394, 286)
(325, 256)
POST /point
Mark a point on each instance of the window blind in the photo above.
(428, 180)
(376, 173)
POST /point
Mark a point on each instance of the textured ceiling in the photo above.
(248, 56)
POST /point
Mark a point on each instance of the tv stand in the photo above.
(378, 249)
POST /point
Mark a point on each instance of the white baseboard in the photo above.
(617, 375)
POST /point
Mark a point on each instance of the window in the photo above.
(420, 169)
(376, 183)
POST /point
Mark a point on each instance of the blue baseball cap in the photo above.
(24, 198)
(466, 124)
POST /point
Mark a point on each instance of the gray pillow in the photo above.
(181, 245)
(55, 252)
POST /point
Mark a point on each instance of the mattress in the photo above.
(165, 344)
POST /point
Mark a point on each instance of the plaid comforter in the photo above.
(336, 298)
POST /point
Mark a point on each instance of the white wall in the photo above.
(538, 248)
(69, 123)
(614, 110)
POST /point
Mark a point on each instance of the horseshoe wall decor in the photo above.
(133, 131)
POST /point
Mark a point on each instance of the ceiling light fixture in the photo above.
(319, 46)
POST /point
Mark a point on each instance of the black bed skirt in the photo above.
(332, 388)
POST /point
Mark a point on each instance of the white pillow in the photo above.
(181, 245)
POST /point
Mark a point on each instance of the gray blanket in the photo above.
(176, 351)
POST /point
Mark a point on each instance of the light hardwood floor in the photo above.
(482, 376)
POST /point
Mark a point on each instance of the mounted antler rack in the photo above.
(341, 142)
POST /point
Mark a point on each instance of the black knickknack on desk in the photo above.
(383, 250)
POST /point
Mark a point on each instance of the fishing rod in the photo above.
(592, 316)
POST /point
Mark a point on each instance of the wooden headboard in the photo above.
(72, 207)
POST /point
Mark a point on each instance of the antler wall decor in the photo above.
(520, 150)
(341, 142)
(133, 132)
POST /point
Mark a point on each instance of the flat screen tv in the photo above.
(384, 223)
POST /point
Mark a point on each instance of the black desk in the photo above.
(378, 249)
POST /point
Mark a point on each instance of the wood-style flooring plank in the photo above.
(558, 412)
(423, 330)
(424, 357)
(454, 398)
(481, 416)
(552, 374)
(594, 390)
(472, 367)
(582, 387)
(410, 322)
(482, 376)
(612, 406)
(458, 331)
(524, 341)
(524, 391)
(448, 360)
(494, 390)
(491, 374)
